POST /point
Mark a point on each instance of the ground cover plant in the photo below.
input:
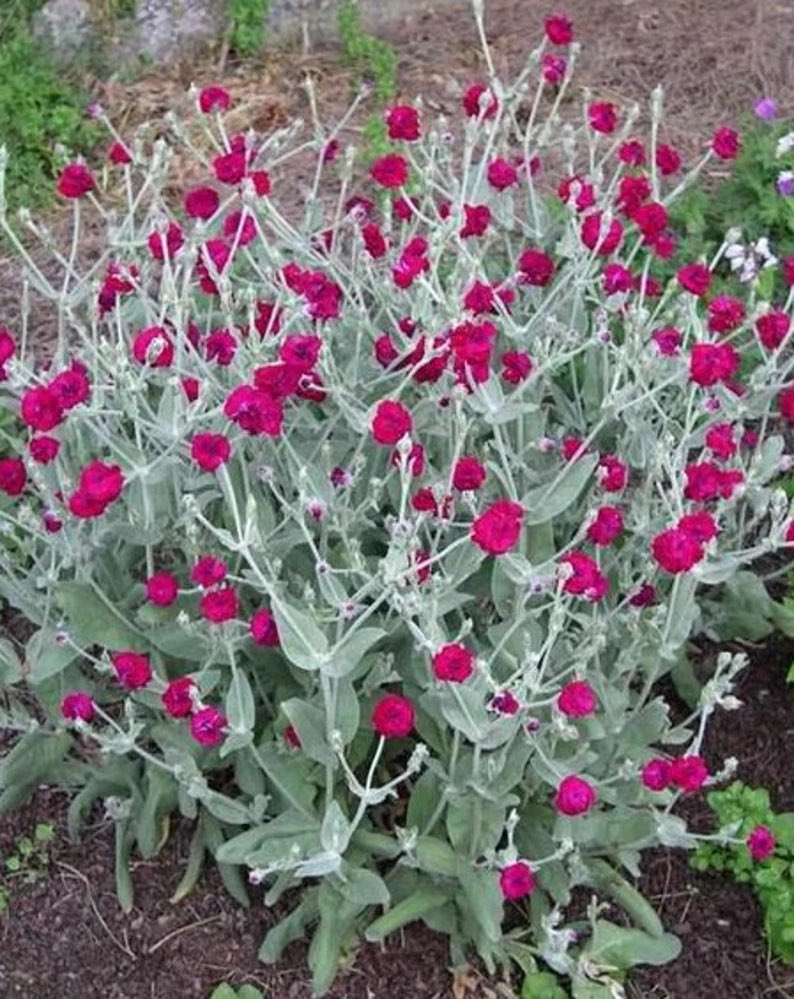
(362, 539)
(41, 110)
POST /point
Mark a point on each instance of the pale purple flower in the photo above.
(766, 108)
(785, 183)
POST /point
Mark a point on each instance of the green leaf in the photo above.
(686, 683)
(543, 503)
(10, 665)
(223, 991)
(302, 642)
(351, 650)
(620, 947)
(289, 777)
(193, 868)
(309, 722)
(542, 985)
(417, 905)
(46, 657)
(335, 831)
(124, 891)
(483, 898)
(174, 641)
(249, 992)
(289, 929)
(240, 707)
(363, 887)
(160, 799)
(93, 621)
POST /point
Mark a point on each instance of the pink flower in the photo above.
(516, 881)
(577, 699)
(536, 267)
(688, 773)
(711, 363)
(207, 726)
(402, 122)
(177, 699)
(390, 171)
(154, 346)
(644, 596)
(40, 409)
(414, 460)
(632, 153)
(616, 279)
(553, 68)
(13, 476)
(77, 705)
(559, 29)
(720, 441)
(391, 422)
(725, 143)
(667, 340)
(761, 843)
(656, 774)
(613, 474)
(785, 403)
(668, 160)
(254, 411)
(596, 235)
(202, 202)
(699, 525)
(497, 529)
(453, 663)
(586, 579)
(264, 629)
(219, 606)
(170, 242)
(75, 181)
(132, 669)
(477, 218)
(772, 328)
(602, 117)
(606, 526)
(694, 278)
(119, 155)
(468, 474)
(393, 717)
(230, 168)
(208, 571)
(574, 796)
(504, 702)
(475, 106)
(162, 589)
(214, 98)
(501, 174)
(210, 451)
(725, 313)
(676, 550)
(44, 449)
(516, 366)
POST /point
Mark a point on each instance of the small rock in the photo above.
(64, 27)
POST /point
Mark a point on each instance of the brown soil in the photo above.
(67, 936)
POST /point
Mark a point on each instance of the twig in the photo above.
(183, 929)
(79, 874)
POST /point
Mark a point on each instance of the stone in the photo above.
(170, 30)
(64, 28)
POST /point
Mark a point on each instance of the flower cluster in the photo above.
(413, 496)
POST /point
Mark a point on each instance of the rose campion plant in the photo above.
(364, 548)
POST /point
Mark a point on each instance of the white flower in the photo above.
(785, 144)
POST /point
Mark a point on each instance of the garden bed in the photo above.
(64, 932)
(67, 932)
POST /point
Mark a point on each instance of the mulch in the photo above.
(66, 935)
